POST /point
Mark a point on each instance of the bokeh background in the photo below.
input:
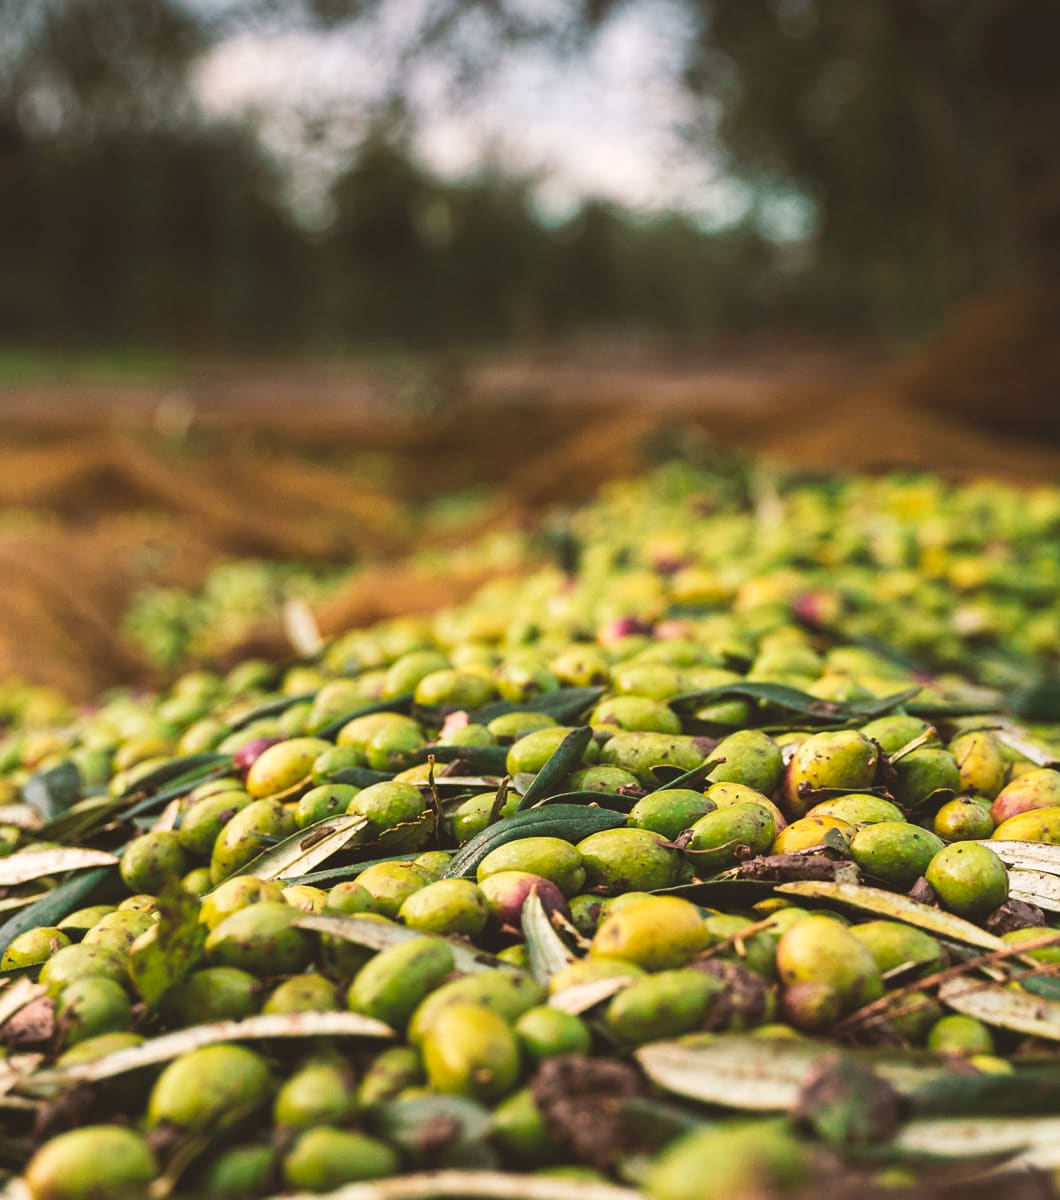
(333, 299)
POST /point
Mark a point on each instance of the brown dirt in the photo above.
(106, 489)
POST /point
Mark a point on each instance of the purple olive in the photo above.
(249, 753)
(507, 891)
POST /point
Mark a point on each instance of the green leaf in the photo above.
(1003, 1007)
(563, 705)
(172, 1045)
(58, 903)
(792, 700)
(307, 848)
(1041, 985)
(1023, 1092)
(81, 819)
(268, 708)
(360, 777)
(179, 787)
(559, 764)
(896, 908)
(35, 864)
(164, 956)
(548, 952)
(568, 821)
(484, 760)
(612, 800)
(185, 766)
(53, 791)
(332, 875)
(394, 704)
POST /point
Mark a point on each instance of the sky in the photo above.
(601, 122)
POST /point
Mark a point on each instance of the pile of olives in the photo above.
(445, 880)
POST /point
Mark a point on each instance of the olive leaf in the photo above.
(477, 1184)
(361, 777)
(395, 704)
(268, 708)
(307, 848)
(563, 705)
(186, 766)
(1022, 1092)
(56, 904)
(53, 791)
(752, 1074)
(1033, 753)
(793, 700)
(21, 816)
(1027, 856)
(559, 764)
(612, 800)
(548, 952)
(570, 822)
(764, 1074)
(1003, 1007)
(1035, 1140)
(172, 1045)
(380, 935)
(897, 908)
(16, 996)
(180, 786)
(82, 819)
(163, 956)
(580, 997)
(1035, 887)
(486, 760)
(34, 864)
(333, 875)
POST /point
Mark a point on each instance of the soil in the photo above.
(106, 489)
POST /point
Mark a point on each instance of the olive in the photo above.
(212, 994)
(968, 878)
(656, 933)
(391, 985)
(958, 1034)
(545, 1032)
(200, 1087)
(963, 820)
(91, 1006)
(261, 939)
(446, 906)
(894, 851)
(317, 1093)
(670, 811)
(551, 858)
(310, 992)
(621, 860)
(205, 819)
(90, 1163)
(118, 930)
(72, 963)
(151, 860)
(470, 1050)
(324, 1158)
(235, 894)
(662, 1005)
(388, 804)
(390, 885)
(248, 834)
(33, 947)
(820, 950)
